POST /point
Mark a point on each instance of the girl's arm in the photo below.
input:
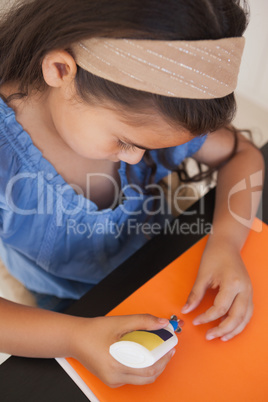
(31, 332)
(237, 197)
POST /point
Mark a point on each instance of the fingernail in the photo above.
(210, 337)
(224, 338)
(173, 353)
(196, 322)
(185, 308)
(163, 321)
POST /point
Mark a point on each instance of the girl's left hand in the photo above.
(222, 267)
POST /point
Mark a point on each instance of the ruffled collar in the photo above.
(32, 157)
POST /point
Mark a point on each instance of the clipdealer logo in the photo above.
(255, 180)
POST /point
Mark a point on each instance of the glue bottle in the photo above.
(139, 349)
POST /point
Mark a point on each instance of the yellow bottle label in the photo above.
(147, 339)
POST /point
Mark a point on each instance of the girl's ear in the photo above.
(59, 68)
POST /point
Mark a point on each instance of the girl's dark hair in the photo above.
(34, 27)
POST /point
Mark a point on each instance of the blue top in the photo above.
(53, 240)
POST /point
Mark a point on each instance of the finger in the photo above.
(196, 295)
(240, 327)
(152, 370)
(222, 303)
(237, 315)
(138, 380)
(127, 375)
(149, 374)
(142, 380)
(143, 321)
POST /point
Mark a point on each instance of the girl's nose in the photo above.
(131, 157)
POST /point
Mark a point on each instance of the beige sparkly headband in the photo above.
(201, 69)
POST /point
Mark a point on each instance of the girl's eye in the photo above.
(126, 147)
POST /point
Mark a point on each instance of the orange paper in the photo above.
(201, 370)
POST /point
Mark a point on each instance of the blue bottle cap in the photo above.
(174, 324)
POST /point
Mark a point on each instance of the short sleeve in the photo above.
(195, 144)
(175, 155)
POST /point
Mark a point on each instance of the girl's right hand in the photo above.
(95, 335)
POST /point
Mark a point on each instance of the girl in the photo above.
(96, 95)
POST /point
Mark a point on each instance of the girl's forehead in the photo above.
(153, 134)
(146, 130)
(143, 120)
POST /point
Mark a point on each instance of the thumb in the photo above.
(145, 321)
(195, 296)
